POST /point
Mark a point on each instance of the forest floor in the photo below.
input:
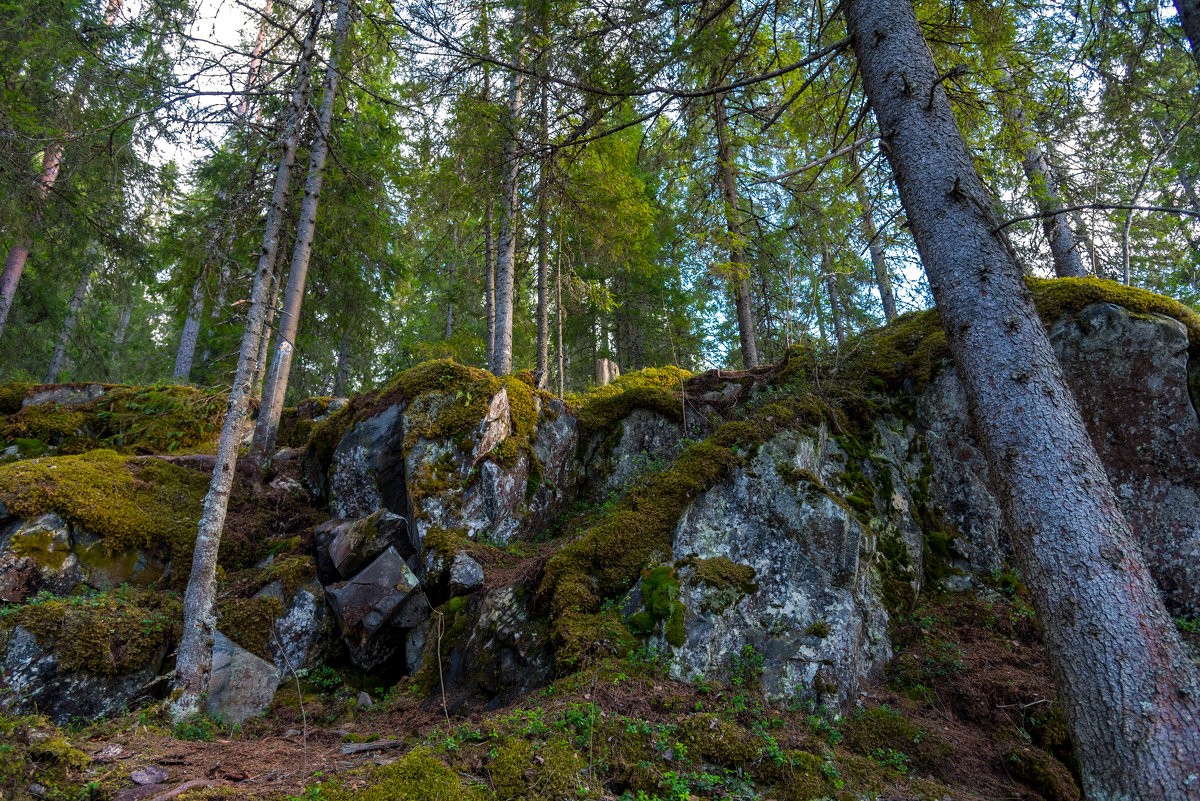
(966, 712)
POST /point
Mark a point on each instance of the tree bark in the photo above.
(883, 280)
(543, 319)
(18, 254)
(835, 309)
(264, 340)
(739, 270)
(558, 309)
(449, 332)
(506, 259)
(193, 659)
(1064, 250)
(1189, 15)
(191, 332)
(118, 343)
(1130, 694)
(342, 378)
(267, 428)
(64, 336)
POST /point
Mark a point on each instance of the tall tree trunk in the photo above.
(267, 428)
(1130, 694)
(449, 332)
(883, 280)
(342, 379)
(835, 309)
(18, 254)
(489, 294)
(739, 270)
(543, 319)
(558, 309)
(118, 343)
(191, 332)
(264, 340)
(506, 258)
(1189, 15)
(1064, 250)
(193, 658)
(64, 336)
(190, 336)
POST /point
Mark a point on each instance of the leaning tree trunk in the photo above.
(1189, 15)
(342, 378)
(190, 335)
(739, 270)
(1063, 248)
(264, 340)
(113, 373)
(64, 336)
(193, 658)
(543, 302)
(18, 254)
(269, 413)
(1130, 694)
(502, 356)
(883, 280)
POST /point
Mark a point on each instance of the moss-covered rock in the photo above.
(417, 776)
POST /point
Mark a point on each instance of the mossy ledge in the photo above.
(127, 501)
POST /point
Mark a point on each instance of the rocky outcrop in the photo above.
(240, 684)
(1129, 372)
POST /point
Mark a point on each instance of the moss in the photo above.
(896, 573)
(818, 628)
(881, 728)
(130, 503)
(535, 772)
(1046, 775)
(248, 622)
(110, 633)
(800, 776)
(417, 776)
(325, 435)
(585, 638)
(11, 396)
(723, 573)
(32, 749)
(654, 389)
(712, 738)
(1059, 296)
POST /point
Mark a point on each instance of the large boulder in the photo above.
(773, 560)
(367, 471)
(375, 607)
(1129, 372)
(240, 684)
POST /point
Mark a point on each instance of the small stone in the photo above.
(37, 791)
(149, 775)
(109, 753)
(364, 701)
(465, 574)
(290, 733)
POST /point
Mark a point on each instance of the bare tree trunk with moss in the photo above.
(543, 318)
(1130, 694)
(191, 332)
(64, 336)
(193, 659)
(269, 413)
(883, 280)
(264, 340)
(558, 311)
(502, 356)
(738, 268)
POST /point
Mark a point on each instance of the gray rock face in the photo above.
(503, 656)
(816, 616)
(49, 554)
(367, 472)
(465, 575)
(358, 544)
(69, 395)
(646, 439)
(34, 681)
(302, 631)
(1129, 373)
(240, 685)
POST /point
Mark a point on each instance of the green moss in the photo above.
(869, 731)
(818, 628)
(585, 638)
(248, 622)
(723, 573)
(1057, 297)
(111, 633)
(801, 777)
(32, 749)
(655, 389)
(535, 772)
(715, 739)
(1046, 775)
(11, 396)
(417, 776)
(130, 503)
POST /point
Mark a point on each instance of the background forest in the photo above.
(652, 182)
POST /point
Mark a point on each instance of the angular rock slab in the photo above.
(240, 685)
(355, 546)
(817, 616)
(368, 467)
(364, 603)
